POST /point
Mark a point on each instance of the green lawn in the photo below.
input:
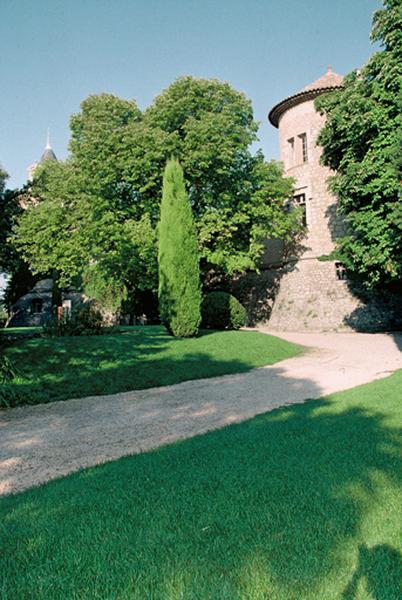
(20, 331)
(137, 358)
(302, 503)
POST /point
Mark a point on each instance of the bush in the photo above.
(83, 320)
(7, 373)
(221, 310)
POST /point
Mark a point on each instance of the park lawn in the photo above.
(136, 358)
(302, 503)
(20, 331)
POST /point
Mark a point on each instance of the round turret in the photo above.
(313, 294)
(299, 125)
(329, 81)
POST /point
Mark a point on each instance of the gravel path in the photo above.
(42, 442)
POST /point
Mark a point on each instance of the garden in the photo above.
(299, 503)
(169, 203)
(58, 368)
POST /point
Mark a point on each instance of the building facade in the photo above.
(314, 294)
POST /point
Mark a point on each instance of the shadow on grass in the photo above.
(63, 368)
(381, 568)
(275, 507)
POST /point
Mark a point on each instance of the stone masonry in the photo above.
(313, 295)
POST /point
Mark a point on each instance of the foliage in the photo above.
(237, 198)
(7, 373)
(7, 369)
(98, 210)
(3, 179)
(133, 358)
(178, 258)
(301, 503)
(9, 213)
(86, 236)
(3, 312)
(221, 310)
(84, 319)
(20, 278)
(362, 142)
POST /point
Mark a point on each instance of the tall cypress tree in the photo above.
(178, 257)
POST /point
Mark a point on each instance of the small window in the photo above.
(37, 306)
(340, 271)
(300, 201)
(291, 150)
(304, 154)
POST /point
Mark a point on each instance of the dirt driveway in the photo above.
(42, 442)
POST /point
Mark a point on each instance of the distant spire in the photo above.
(48, 146)
(48, 153)
(329, 69)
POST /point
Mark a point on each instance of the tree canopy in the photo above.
(362, 143)
(7, 212)
(20, 278)
(100, 207)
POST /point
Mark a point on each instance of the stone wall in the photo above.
(312, 298)
(307, 294)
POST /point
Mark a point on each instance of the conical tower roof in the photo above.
(327, 82)
(330, 79)
(48, 153)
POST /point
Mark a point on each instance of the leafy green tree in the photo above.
(112, 180)
(3, 179)
(20, 277)
(362, 142)
(237, 198)
(178, 257)
(86, 238)
(9, 209)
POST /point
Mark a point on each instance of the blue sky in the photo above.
(55, 53)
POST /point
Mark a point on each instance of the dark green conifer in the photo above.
(178, 257)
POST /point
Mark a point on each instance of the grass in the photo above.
(136, 358)
(20, 331)
(302, 503)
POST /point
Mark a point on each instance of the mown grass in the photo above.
(137, 358)
(20, 331)
(302, 503)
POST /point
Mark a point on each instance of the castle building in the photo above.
(35, 307)
(313, 295)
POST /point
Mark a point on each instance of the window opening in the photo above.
(300, 201)
(37, 305)
(291, 147)
(303, 138)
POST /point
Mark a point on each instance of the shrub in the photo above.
(221, 310)
(7, 372)
(178, 257)
(83, 320)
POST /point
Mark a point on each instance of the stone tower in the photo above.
(313, 295)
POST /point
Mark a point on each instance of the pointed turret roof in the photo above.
(326, 83)
(48, 153)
